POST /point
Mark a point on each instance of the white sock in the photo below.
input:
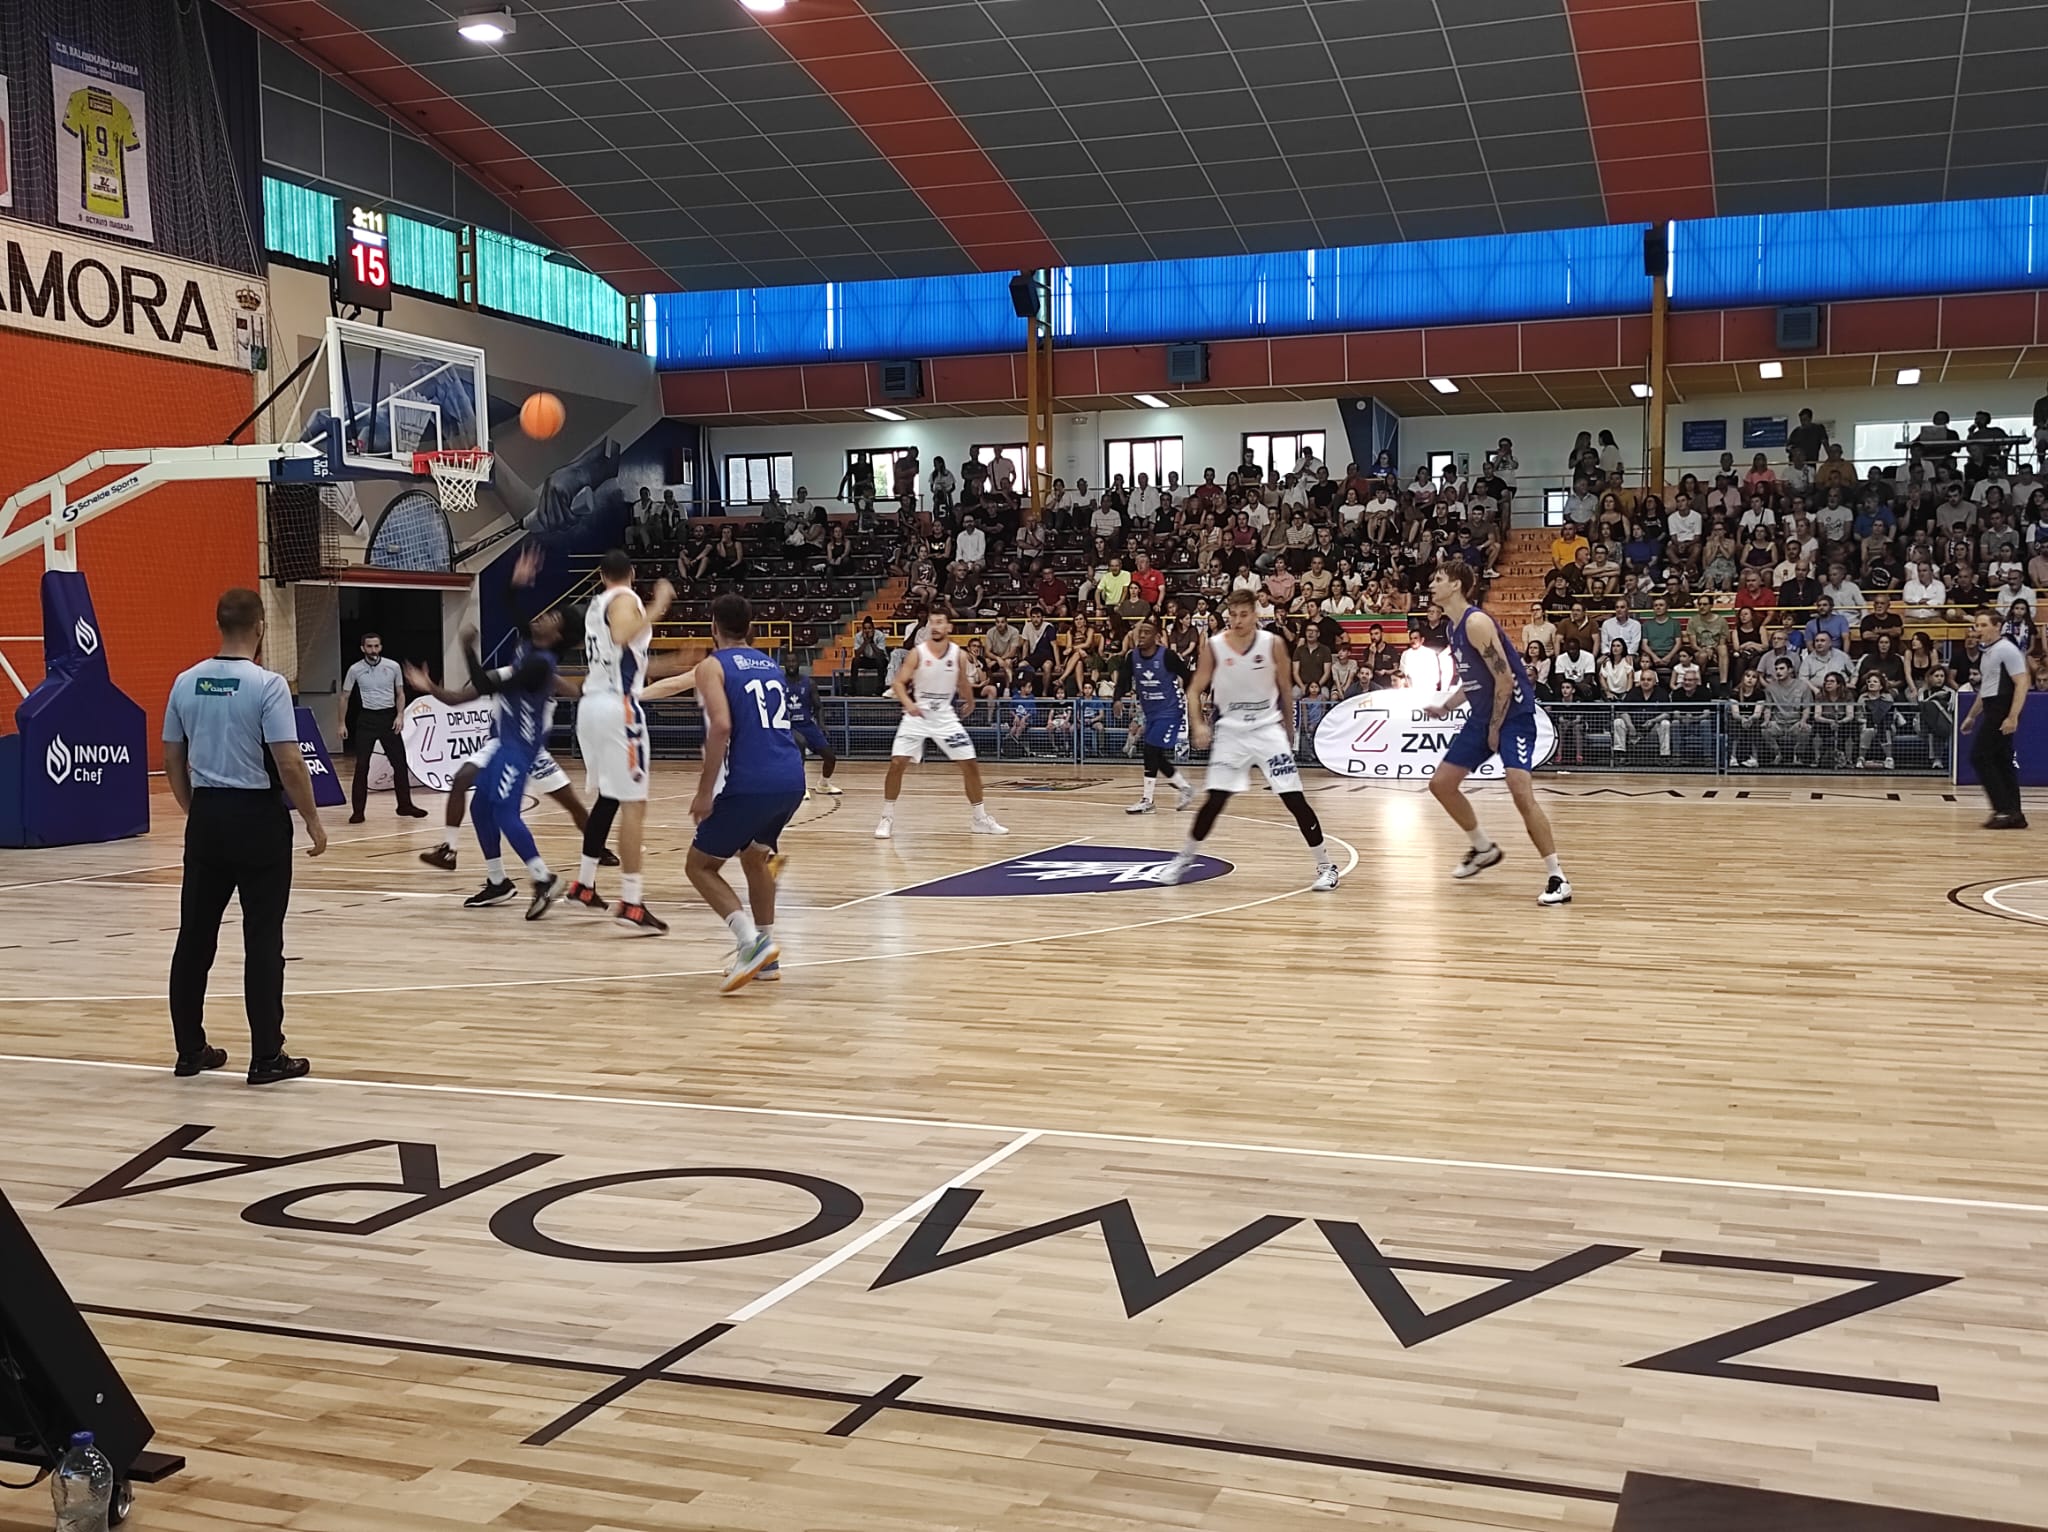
(630, 888)
(1145, 794)
(448, 838)
(888, 810)
(1481, 841)
(494, 868)
(1192, 849)
(977, 810)
(586, 871)
(1552, 866)
(538, 866)
(741, 924)
(1323, 856)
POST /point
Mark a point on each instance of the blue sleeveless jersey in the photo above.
(1478, 680)
(524, 711)
(1159, 697)
(760, 758)
(803, 701)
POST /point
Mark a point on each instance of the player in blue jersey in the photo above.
(1155, 675)
(525, 691)
(752, 782)
(1502, 721)
(804, 726)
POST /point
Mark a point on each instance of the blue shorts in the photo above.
(1517, 743)
(740, 820)
(812, 733)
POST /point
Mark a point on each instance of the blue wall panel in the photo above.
(1769, 258)
(1859, 252)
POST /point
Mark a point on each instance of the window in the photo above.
(1279, 451)
(1876, 443)
(1014, 451)
(884, 459)
(1153, 456)
(750, 477)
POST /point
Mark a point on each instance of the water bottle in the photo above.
(82, 1487)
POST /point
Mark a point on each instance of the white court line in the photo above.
(1082, 1135)
(880, 1231)
(1991, 898)
(559, 980)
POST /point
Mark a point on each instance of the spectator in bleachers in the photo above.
(1819, 659)
(1835, 471)
(1747, 640)
(1617, 671)
(1622, 628)
(1787, 722)
(728, 565)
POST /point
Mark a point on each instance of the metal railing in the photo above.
(1708, 737)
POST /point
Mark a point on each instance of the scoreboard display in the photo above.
(362, 258)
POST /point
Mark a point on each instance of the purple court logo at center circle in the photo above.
(1075, 869)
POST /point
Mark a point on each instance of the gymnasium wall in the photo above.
(1211, 435)
(155, 566)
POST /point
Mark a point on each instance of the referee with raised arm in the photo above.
(2001, 694)
(380, 697)
(231, 751)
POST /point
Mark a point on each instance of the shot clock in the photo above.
(362, 258)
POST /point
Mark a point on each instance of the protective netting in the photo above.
(194, 173)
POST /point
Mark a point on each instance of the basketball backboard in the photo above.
(392, 394)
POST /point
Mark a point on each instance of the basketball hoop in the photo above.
(456, 475)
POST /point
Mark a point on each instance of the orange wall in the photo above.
(157, 565)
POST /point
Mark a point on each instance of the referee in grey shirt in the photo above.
(231, 751)
(380, 694)
(2001, 694)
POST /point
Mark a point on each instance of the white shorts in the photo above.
(546, 777)
(942, 729)
(612, 734)
(1236, 749)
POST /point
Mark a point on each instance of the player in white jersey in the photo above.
(1248, 671)
(611, 731)
(926, 685)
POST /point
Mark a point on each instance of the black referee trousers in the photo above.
(1991, 752)
(379, 726)
(236, 842)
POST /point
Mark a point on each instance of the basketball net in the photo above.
(456, 474)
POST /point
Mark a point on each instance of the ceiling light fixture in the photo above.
(881, 414)
(1443, 385)
(1152, 401)
(1908, 376)
(488, 26)
(1771, 370)
(764, 7)
(1640, 390)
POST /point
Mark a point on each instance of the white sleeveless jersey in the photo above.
(935, 684)
(1245, 685)
(615, 671)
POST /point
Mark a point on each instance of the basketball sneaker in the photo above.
(584, 897)
(1556, 891)
(639, 920)
(771, 974)
(831, 790)
(1187, 796)
(1326, 879)
(1176, 869)
(190, 1064)
(883, 830)
(490, 894)
(984, 824)
(544, 896)
(748, 962)
(607, 858)
(1142, 806)
(1477, 862)
(442, 857)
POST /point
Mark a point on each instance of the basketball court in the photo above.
(1038, 1194)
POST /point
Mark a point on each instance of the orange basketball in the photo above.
(541, 416)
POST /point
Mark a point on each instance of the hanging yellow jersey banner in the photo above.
(102, 143)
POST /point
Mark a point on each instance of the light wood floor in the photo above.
(1412, 1205)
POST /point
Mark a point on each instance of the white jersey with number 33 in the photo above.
(616, 670)
(1245, 684)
